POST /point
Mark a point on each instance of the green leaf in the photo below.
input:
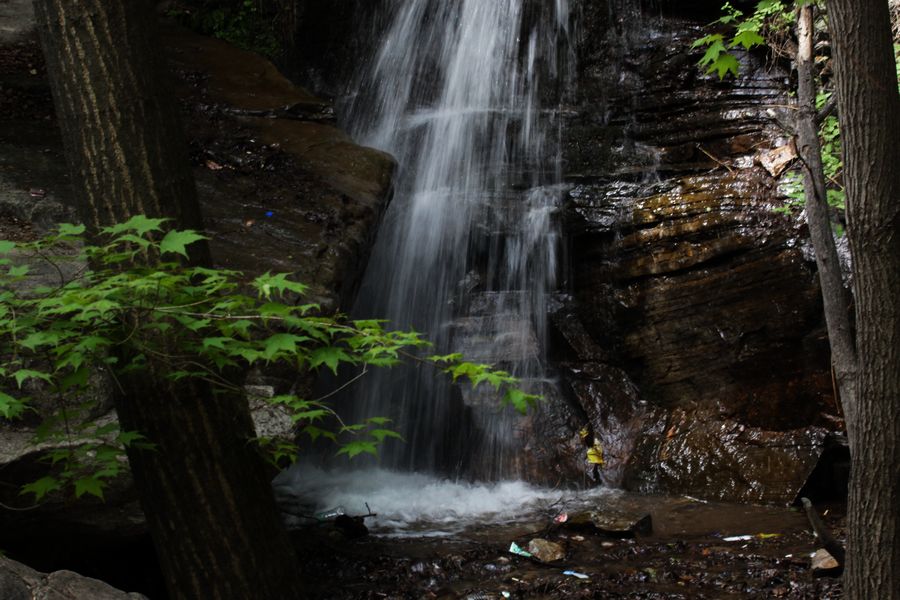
(713, 52)
(726, 63)
(91, 343)
(18, 271)
(41, 487)
(175, 242)
(106, 429)
(268, 283)
(127, 438)
(519, 399)
(316, 432)
(68, 229)
(381, 434)
(330, 357)
(76, 379)
(89, 485)
(747, 39)
(282, 342)
(448, 358)
(138, 223)
(216, 342)
(6, 246)
(23, 374)
(354, 449)
(10, 407)
(310, 415)
(707, 40)
(40, 338)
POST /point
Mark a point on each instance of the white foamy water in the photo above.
(411, 504)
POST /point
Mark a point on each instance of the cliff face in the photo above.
(688, 334)
(688, 291)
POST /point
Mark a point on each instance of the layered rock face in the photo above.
(688, 336)
(694, 332)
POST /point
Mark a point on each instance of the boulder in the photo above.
(18, 582)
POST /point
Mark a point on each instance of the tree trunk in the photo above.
(834, 297)
(870, 128)
(209, 506)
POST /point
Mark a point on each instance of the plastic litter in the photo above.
(330, 514)
(269, 213)
(747, 538)
(561, 518)
(595, 454)
(514, 548)
(576, 574)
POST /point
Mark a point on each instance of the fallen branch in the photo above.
(829, 109)
(301, 111)
(829, 542)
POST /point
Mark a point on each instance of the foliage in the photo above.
(830, 137)
(121, 316)
(771, 20)
(770, 24)
(239, 22)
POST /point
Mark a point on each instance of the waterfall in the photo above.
(466, 95)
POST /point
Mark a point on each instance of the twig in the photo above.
(301, 111)
(701, 149)
(345, 385)
(27, 508)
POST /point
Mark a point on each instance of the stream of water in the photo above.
(464, 95)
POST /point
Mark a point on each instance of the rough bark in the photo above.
(208, 504)
(837, 310)
(870, 107)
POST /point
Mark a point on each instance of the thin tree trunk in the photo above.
(209, 506)
(870, 130)
(834, 297)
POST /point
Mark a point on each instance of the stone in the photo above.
(613, 523)
(19, 582)
(545, 550)
(823, 563)
(776, 160)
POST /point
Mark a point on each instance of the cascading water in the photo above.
(465, 95)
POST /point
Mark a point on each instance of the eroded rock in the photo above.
(545, 550)
(18, 582)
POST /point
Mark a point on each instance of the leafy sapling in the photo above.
(107, 312)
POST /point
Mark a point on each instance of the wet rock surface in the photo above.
(769, 555)
(693, 337)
